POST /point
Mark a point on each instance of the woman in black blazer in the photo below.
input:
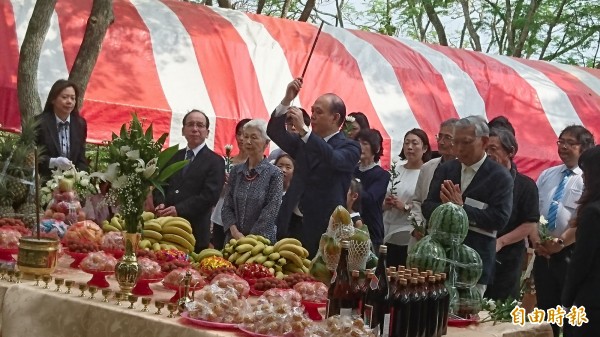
(583, 274)
(61, 131)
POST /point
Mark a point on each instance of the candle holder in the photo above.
(18, 276)
(159, 305)
(146, 301)
(37, 279)
(119, 296)
(59, 282)
(69, 284)
(46, 279)
(132, 301)
(106, 293)
(3, 271)
(172, 307)
(82, 287)
(93, 290)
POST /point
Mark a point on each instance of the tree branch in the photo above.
(101, 17)
(533, 7)
(574, 45)
(308, 8)
(557, 16)
(469, 24)
(224, 3)
(29, 57)
(435, 21)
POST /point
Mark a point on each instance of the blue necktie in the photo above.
(189, 155)
(558, 194)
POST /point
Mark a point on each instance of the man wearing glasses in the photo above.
(192, 192)
(560, 188)
(444, 139)
(478, 184)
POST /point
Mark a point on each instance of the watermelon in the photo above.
(449, 224)
(427, 254)
(464, 266)
(466, 302)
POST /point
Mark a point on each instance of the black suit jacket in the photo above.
(47, 136)
(493, 185)
(196, 192)
(583, 275)
(324, 169)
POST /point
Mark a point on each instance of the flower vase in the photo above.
(127, 270)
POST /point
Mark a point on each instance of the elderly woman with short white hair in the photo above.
(255, 189)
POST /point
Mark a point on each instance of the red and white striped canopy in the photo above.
(160, 59)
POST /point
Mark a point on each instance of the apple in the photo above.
(68, 196)
(62, 207)
(48, 214)
(65, 185)
(59, 216)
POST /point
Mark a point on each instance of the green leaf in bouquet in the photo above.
(171, 169)
(149, 132)
(165, 156)
(158, 186)
(123, 133)
(161, 141)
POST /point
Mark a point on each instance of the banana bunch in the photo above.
(117, 223)
(287, 256)
(208, 252)
(168, 233)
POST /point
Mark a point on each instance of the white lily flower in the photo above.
(84, 182)
(124, 149)
(543, 220)
(133, 155)
(119, 182)
(350, 119)
(150, 168)
(492, 306)
(395, 160)
(228, 147)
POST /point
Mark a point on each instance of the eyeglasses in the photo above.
(192, 124)
(439, 137)
(566, 143)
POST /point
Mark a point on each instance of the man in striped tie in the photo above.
(560, 188)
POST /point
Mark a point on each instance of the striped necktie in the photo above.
(63, 129)
(189, 155)
(558, 194)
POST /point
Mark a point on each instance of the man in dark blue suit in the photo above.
(325, 158)
(480, 185)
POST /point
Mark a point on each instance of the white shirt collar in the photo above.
(576, 170)
(331, 135)
(58, 120)
(477, 165)
(196, 149)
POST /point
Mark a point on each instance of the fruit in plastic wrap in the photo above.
(266, 283)
(176, 276)
(292, 279)
(277, 313)
(253, 271)
(150, 269)
(53, 228)
(83, 247)
(9, 238)
(214, 304)
(113, 241)
(222, 270)
(289, 296)
(208, 264)
(466, 302)
(234, 282)
(427, 254)
(339, 326)
(312, 291)
(318, 269)
(99, 261)
(84, 231)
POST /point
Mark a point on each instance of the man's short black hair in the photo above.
(337, 106)
(203, 114)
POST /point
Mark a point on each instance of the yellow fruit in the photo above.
(286, 241)
(152, 225)
(291, 257)
(147, 216)
(234, 257)
(109, 228)
(156, 246)
(282, 261)
(115, 223)
(274, 256)
(247, 240)
(306, 263)
(258, 248)
(242, 259)
(152, 234)
(268, 250)
(243, 248)
(279, 275)
(341, 215)
(292, 268)
(180, 232)
(292, 248)
(260, 259)
(145, 244)
(179, 223)
(251, 259)
(268, 264)
(179, 240)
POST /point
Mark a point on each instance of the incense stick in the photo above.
(312, 49)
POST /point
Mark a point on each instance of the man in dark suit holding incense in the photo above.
(480, 185)
(325, 158)
(192, 192)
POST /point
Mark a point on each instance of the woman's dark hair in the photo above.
(56, 89)
(361, 119)
(240, 125)
(583, 136)
(423, 137)
(356, 187)
(589, 162)
(375, 140)
(285, 155)
(502, 122)
(507, 139)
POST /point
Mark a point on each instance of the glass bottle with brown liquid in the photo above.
(339, 299)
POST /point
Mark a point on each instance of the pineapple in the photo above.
(6, 209)
(27, 210)
(21, 162)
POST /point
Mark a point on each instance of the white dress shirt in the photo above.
(468, 173)
(547, 183)
(422, 188)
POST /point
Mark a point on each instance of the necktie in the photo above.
(558, 194)
(63, 130)
(189, 155)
